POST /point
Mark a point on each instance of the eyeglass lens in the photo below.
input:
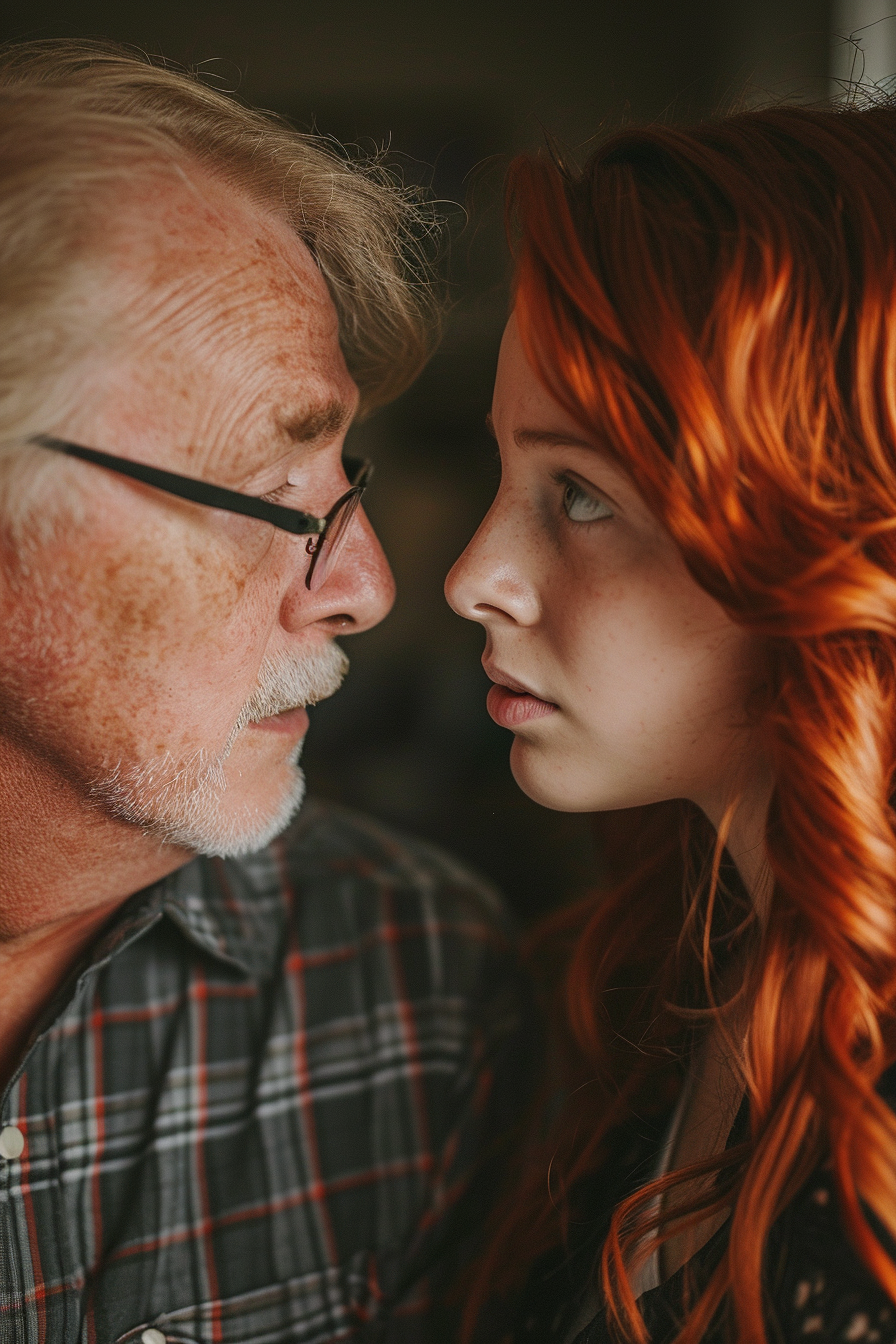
(324, 551)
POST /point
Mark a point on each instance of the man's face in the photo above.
(144, 637)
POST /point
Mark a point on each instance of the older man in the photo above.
(240, 1090)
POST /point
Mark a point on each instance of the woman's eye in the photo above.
(580, 507)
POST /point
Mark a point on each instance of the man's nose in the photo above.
(357, 593)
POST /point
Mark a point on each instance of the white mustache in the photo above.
(285, 684)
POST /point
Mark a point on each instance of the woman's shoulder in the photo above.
(816, 1283)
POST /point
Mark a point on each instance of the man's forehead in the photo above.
(227, 328)
(187, 228)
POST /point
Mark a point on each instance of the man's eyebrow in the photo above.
(317, 422)
(549, 438)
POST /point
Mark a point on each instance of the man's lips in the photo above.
(512, 704)
(291, 721)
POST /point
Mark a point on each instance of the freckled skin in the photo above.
(141, 627)
(651, 677)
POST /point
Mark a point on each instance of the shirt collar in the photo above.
(232, 909)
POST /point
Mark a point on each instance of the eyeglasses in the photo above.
(326, 536)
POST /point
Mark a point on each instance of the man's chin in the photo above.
(251, 830)
(209, 814)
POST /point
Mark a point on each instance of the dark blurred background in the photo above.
(453, 90)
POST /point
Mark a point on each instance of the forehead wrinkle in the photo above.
(198, 308)
(187, 280)
(196, 233)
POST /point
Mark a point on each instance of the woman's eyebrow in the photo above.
(540, 438)
(549, 438)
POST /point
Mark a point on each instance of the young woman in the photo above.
(688, 587)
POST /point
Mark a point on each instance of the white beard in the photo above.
(182, 802)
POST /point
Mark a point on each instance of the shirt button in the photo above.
(152, 1336)
(12, 1145)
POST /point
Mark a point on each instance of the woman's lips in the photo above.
(511, 708)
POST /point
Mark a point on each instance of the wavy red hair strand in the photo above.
(718, 306)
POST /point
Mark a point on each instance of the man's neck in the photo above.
(32, 969)
(64, 870)
(60, 855)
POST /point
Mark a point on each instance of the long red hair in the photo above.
(718, 305)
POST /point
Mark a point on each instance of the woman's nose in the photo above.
(489, 582)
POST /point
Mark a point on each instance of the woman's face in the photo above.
(622, 680)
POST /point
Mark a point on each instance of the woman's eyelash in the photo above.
(592, 507)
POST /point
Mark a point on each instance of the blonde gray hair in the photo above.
(77, 118)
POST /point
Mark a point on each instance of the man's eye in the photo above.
(580, 507)
(280, 495)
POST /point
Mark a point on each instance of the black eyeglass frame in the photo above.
(298, 523)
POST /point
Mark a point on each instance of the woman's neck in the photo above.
(742, 824)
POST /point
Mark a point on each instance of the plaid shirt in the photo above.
(247, 1116)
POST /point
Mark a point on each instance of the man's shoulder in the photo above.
(333, 855)
(326, 832)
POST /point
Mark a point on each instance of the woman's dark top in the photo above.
(816, 1287)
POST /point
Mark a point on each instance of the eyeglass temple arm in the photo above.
(187, 487)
